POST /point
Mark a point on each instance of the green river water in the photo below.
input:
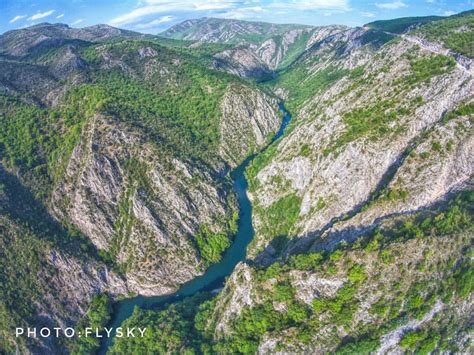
(215, 275)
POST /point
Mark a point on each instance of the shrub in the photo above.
(211, 245)
(357, 274)
(422, 70)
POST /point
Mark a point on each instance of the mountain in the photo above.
(213, 30)
(259, 47)
(454, 32)
(119, 155)
(25, 41)
(363, 211)
(125, 147)
(49, 273)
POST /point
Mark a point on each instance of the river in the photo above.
(215, 275)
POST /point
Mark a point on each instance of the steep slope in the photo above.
(404, 287)
(388, 133)
(259, 47)
(128, 145)
(208, 29)
(148, 116)
(349, 137)
(48, 274)
(275, 52)
(363, 212)
(454, 32)
(401, 25)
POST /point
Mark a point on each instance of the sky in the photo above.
(154, 16)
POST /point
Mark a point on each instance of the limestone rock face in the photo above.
(427, 175)
(260, 48)
(146, 220)
(242, 61)
(381, 140)
(253, 115)
(54, 282)
(338, 174)
(217, 30)
(144, 207)
(259, 59)
(129, 211)
(374, 150)
(237, 294)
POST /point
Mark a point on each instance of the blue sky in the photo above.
(153, 16)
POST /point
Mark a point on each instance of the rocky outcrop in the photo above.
(350, 295)
(340, 169)
(346, 206)
(237, 294)
(438, 166)
(214, 30)
(139, 205)
(261, 48)
(293, 43)
(47, 278)
(143, 206)
(366, 155)
(253, 115)
(262, 58)
(243, 62)
(38, 38)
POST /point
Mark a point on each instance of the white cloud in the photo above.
(341, 5)
(391, 5)
(367, 14)
(154, 7)
(60, 16)
(237, 9)
(154, 23)
(40, 15)
(136, 15)
(16, 18)
(242, 13)
(198, 5)
(77, 22)
(448, 13)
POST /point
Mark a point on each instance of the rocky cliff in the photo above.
(362, 211)
(126, 145)
(357, 133)
(49, 275)
(382, 134)
(404, 287)
(259, 48)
